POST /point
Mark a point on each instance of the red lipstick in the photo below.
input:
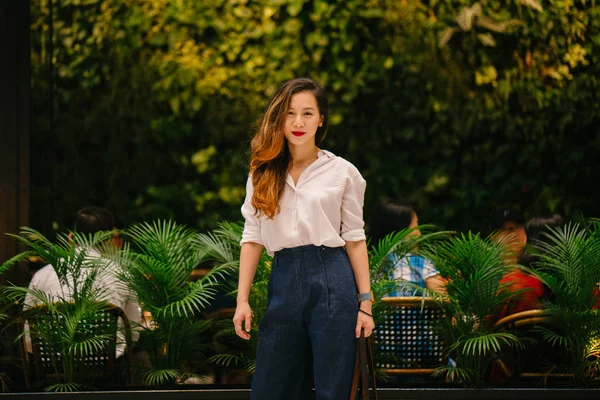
(298, 133)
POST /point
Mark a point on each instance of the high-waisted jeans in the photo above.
(308, 328)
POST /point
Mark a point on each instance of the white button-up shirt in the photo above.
(325, 208)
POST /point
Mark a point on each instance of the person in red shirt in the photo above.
(528, 290)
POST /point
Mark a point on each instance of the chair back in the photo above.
(539, 361)
(48, 358)
(405, 341)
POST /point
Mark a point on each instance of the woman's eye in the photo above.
(308, 114)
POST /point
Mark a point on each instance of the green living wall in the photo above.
(146, 107)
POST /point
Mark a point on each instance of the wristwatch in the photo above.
(366, 296)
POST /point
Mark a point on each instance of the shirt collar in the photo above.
(325, 153)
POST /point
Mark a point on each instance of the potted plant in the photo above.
(156, 269)
(60, 322)
(222, 248)
(569, 265)
(473, 267)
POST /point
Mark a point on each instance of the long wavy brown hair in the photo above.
(270, 156)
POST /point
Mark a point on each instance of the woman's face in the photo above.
(302, 120)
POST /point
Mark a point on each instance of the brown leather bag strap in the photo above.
(372, 367)
(355, 377)
(364, 362)
(362, 351)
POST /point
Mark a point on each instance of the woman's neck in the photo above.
(304, 155)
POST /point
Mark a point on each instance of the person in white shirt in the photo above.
(90, 220)
(305, 206)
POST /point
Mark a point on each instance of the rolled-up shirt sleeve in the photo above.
(352, 227)
(429, 269)
(251, 231)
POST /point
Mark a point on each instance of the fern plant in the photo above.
(222, 248)
(474, 268)
(60, 319)
(156, 270)
(569, 265)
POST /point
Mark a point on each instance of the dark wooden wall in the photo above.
(14, 128)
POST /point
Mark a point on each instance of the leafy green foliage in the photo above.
(65, 387)
(570, 267)
(474, 268)
(500, 94)
(63, 323)
(222, 248)
(156, 270)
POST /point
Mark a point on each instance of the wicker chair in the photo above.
(531, 363)
(39, 363)
(406, 342)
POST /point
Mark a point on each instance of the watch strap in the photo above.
(366, 296)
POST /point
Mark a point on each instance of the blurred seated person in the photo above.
(393, 216)
(536, 229)
(88, 221)
(509, 227)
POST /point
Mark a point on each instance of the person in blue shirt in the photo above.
(393, 215)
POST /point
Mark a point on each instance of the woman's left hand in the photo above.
(366, 322)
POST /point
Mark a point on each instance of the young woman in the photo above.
(304, 205)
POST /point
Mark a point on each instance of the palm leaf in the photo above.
(90, 345)
(485, 344)
(197, 298)
(162, 376)
(569, 265)
(474, 268)
(156, 270)
(455, 374)
(226, 360)
(16, 260)
(64, 387)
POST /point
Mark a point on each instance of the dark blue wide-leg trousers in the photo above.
(307, 331)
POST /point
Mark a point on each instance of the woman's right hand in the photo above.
(243, 317)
